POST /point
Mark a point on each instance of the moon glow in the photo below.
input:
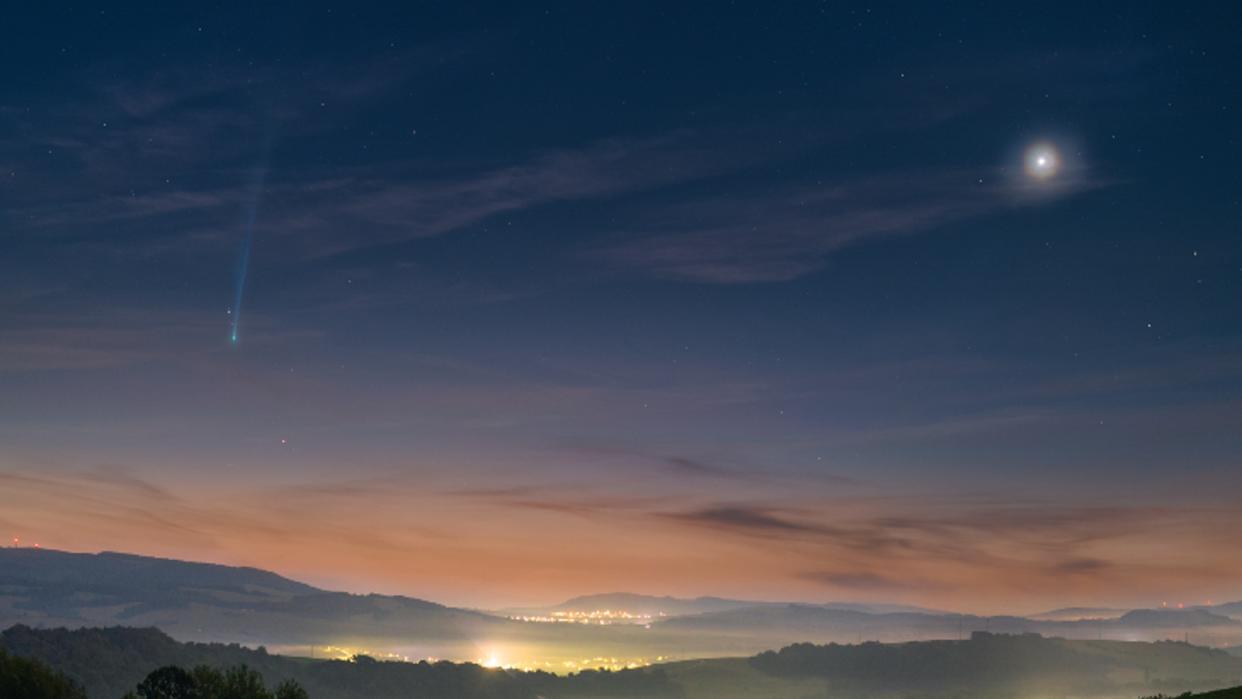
(1042, 161)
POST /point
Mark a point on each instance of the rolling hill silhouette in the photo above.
(207, 602)
(108, 662)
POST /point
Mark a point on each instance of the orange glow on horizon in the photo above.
(490, 552)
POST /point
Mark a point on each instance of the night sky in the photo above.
(501, 304)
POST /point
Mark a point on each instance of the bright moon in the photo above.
(1042, 161)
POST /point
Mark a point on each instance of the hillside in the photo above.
(1175, 618)
(1079, 613)
(1230, 609)
(206, 602)
(786, 623)
(656, 607)
(635, 604)
(1230, 693)
(998, 665)
(212, 603)
(109, 661)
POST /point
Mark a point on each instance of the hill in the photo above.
(107, 662)
(200, 602)
(1079, 613)
(1229, 609)
(55, 569)
(651, 606)
(1230, 693)
(1174, 618)
(207, 602)
(1000, 665)
(813, 623)
(633, 604)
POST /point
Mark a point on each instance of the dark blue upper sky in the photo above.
(706, 266)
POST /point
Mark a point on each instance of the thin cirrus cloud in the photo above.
(360, 208)
(861, 581)
(168, 124)
(748, 519)
(746, 238)
(776, 522)
(673, 465)
(394, 210)
(789, 234)
(1019, 547)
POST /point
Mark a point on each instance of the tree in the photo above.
(208, 681)
(243, 683)
(170, 682)
(290, 690)
(205, 682)
(31, 679)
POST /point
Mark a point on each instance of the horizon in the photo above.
(1164, 605)
(492, 305)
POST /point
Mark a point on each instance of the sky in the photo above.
(499, 304)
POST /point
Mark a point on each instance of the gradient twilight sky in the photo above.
(746, 299)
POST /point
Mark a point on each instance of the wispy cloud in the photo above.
(866, 582)
(1082, 566)
(116, 337)
(789, 522)
(579, 501)
(165, 164)
(780, 236)
(748, 520)
(936, 544)
(673, 465)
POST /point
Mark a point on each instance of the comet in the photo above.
(250, 214)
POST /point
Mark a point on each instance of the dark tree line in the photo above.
(26, 678)
(203, 682)
(147, 664)
(31, 679)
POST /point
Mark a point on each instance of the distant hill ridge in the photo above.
(1174, 618)
(51, 567)
(1077, 613)
(209, 602)
(654, 605)
(204, 601)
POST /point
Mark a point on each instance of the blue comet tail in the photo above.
(243, 263)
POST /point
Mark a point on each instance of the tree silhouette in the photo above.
(170, 682)
(31, 679)
(204, 682)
